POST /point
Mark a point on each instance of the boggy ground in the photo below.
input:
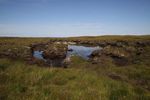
(100, 79)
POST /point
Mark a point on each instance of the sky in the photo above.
(65, 18)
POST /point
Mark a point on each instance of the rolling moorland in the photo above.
(120, 71)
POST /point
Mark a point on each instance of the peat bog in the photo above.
(114, 68)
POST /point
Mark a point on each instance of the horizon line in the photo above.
(69, 36)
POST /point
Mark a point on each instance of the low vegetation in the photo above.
(82, 80)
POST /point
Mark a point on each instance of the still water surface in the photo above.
(78, 50)
(82, 51)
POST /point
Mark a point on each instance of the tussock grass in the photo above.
(21, 81)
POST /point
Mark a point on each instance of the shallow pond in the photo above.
(78, 50)
(38, 54)
(82, 51)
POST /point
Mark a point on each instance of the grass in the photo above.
(21, 81)
(81, 81)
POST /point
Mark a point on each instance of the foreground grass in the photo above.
(82, 81)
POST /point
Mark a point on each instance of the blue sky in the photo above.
(59, 18)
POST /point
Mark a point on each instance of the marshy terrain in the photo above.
(75, 68)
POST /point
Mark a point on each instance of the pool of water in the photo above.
(82, 51)
(38, 54)
(78, 50)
